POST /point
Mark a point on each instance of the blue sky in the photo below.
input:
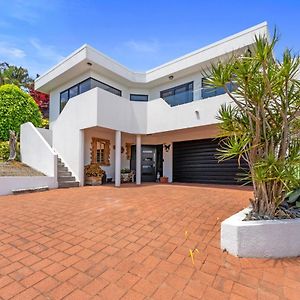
(139, 34)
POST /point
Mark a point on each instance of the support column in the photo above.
(81, 158)
(138, 159)
(118, 158)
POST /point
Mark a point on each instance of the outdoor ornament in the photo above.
(167, 147)
(12, 145)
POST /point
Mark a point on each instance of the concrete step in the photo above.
(65, 178)
(68, 184)
(60, 168)
(64, 173)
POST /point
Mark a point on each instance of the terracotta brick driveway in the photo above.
(129, 243)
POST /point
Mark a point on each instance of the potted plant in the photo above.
(93, 174)
(261, 126)
(126, 175)
(164, 179)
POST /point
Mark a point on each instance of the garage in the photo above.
(195, 161)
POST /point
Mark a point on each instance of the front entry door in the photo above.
(148, 163)
(151, 161)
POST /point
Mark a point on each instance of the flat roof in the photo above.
(79, 62)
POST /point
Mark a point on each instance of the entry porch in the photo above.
(148, 157)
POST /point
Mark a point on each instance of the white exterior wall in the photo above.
(54, 107)
(47, 135)
(99, 108)
(36, 152)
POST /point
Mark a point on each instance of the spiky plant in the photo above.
(261, 125)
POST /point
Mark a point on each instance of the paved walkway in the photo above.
(130, 243)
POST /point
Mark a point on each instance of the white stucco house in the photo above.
(159, 122)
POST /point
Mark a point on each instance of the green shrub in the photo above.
(16, 108)
(4, 151)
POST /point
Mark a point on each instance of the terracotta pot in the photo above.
(164, 179)
(93, 180)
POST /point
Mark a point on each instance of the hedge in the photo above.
(16, 107)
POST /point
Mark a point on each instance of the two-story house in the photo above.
(159, 121)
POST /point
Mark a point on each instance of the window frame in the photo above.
(106, 152)
(147, 96)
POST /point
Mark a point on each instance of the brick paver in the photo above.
(131, 243)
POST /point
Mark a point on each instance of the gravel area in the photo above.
(15, 168)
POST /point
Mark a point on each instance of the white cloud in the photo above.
(9, 51)
(143, 46)
(47, 52)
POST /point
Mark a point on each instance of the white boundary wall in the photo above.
(10, 183)
(36, 152)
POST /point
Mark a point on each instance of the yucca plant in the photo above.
(262, 123)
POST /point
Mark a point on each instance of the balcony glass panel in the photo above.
(178, 95)
(209, 91)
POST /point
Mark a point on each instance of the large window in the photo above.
(209, 91)
(179, 94)
(84, 86)
(138, 97)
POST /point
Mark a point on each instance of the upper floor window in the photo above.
(104, 86)
(179, 94)
(83, 87)
(138, 97)
(209, 91)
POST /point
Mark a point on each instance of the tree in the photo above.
(18, 76)
(41, 99)
(262, 123)
(16, 108)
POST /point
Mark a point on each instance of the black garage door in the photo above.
(195, 161)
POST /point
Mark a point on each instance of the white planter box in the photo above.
(267, 238)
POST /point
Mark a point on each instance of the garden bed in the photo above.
(15, 168)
